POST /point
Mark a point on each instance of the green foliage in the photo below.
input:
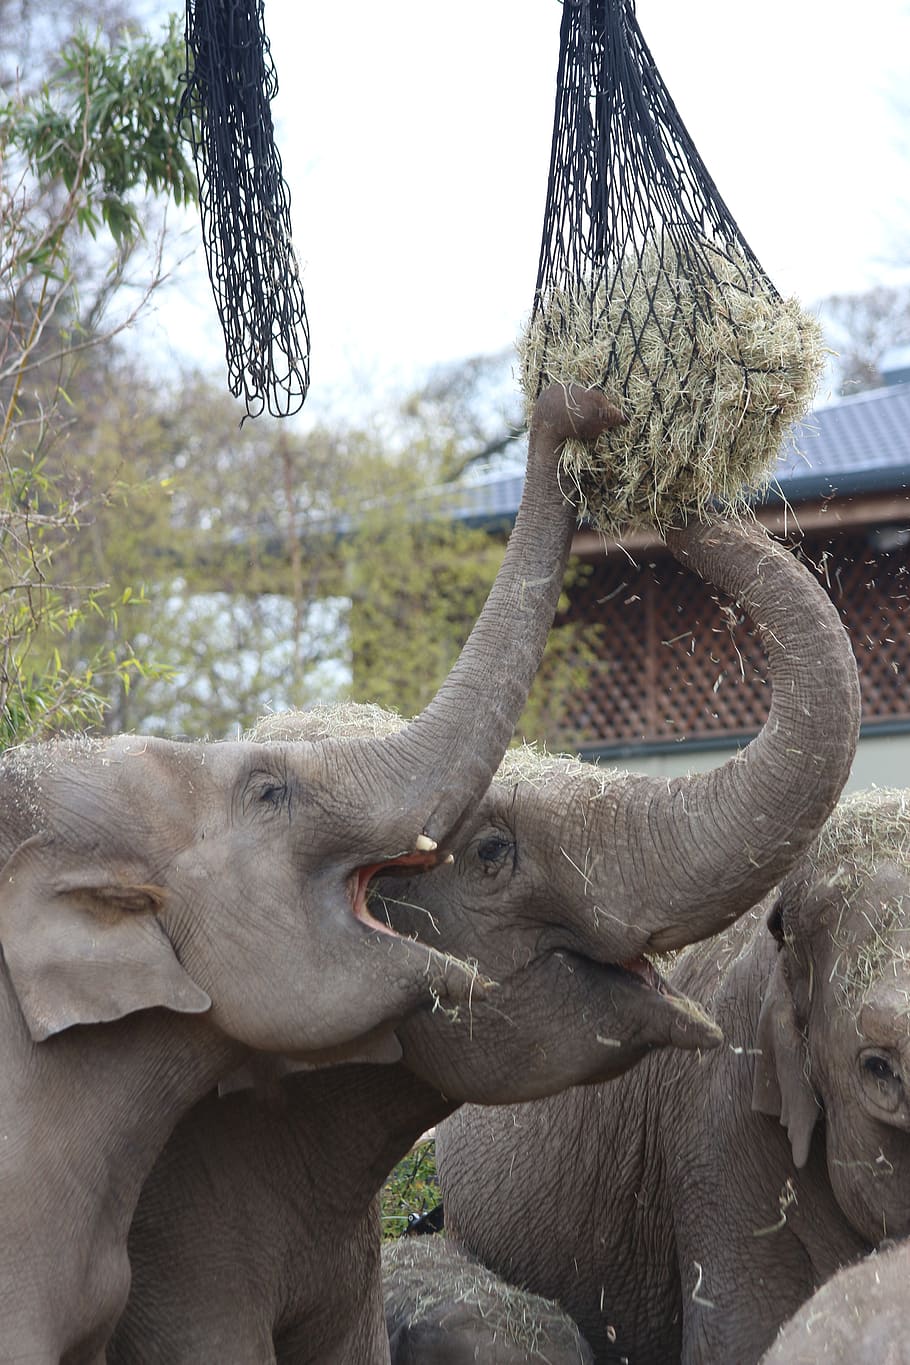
(73, 156)
(105, 127)
(417, 582)
(410, 1189)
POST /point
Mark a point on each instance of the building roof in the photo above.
(858, 445)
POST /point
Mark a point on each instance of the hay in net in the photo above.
(647, 287)
(708, 374)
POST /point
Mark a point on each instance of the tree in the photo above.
(77, 157)
(863, 327)
(417, 579)
(278, 568)
(469, 413)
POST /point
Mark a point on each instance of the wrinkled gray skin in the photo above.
(257, 1224)
(692, 1206)
(860, 1317)
(558, 869)
(163, 907)
(443, 1308)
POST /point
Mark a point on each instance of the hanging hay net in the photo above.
(647, 289)
(245, 204)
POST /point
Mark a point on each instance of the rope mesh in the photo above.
(245, 204)
(628, 196)
(647, 289)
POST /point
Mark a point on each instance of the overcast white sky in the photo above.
(415, 138)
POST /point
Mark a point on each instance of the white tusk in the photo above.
(425, 844)
(449, 858)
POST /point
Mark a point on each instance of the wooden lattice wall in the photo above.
(676, 661)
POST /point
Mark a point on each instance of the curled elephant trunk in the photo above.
(673, 861)
(443, 761)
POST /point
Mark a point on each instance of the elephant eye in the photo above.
(878, 1068)
(493, 851)
(883, 1085)
(264, 789)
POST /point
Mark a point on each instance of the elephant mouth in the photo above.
(645, 974)
(360, 884)
(644, 971)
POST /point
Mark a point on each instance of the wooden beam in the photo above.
(831, 514)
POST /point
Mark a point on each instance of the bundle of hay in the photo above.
(709, 369)
(647, 288)
(435, 1291)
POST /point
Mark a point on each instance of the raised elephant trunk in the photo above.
(443, 761)
(658, 864)
(721, 839)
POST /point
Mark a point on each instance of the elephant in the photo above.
(443, 1308)
(688, 1209)
(860, 1317)
(166, 907)
(245, 1232)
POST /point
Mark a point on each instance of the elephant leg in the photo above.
(247, 1345)
(341, 1331)
(367, 1344)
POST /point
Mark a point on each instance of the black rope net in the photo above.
(245, 204)
(647, 288)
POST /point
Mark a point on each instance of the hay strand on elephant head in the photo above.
(433, 1279)
(334, 720)
(865, 831)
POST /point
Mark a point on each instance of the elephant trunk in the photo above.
(652, 864)
(443, 761)
(720, 840)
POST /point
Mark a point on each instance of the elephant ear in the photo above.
(82, 942)
(781, 1086)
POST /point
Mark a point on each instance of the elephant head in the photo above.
(597, 869)
(834, 1031)
(231, 879)
(443, 1305)
(565, 875)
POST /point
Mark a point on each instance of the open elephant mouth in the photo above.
(643, 969)
(362, 888)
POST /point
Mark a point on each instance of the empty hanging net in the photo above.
(647, 289)
(245, 204)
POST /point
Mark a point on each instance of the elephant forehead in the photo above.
(885, 1012)
(870, 940)
(137, 783)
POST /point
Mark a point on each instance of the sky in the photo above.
(415, 139)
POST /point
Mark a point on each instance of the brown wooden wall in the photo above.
(676, 660)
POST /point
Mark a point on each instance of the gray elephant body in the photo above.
(671, 1213)
(562, 878)
(860, 1317)
(442, 1306)
(125, 994)
(164, 907)
(257, 1237)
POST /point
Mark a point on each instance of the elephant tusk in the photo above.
(424, 844)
